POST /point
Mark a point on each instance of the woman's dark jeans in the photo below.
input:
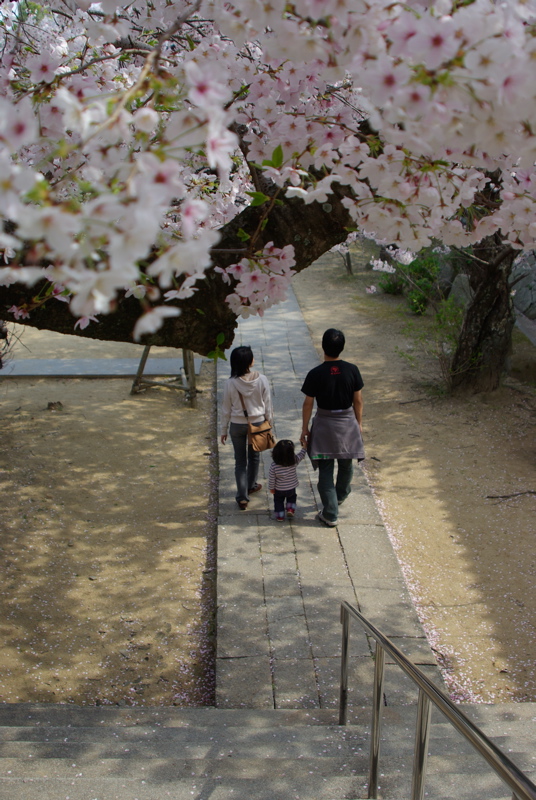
(247, 461)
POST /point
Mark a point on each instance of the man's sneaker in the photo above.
(321, 518)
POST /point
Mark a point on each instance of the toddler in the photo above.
(282, 478)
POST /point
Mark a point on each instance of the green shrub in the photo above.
(436, 338)
(391, 283)
(420, 280)
(417, 301)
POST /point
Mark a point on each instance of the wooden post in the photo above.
(185, 381)
(189, 372)
(139, 374)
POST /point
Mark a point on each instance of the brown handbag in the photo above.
(260, 436)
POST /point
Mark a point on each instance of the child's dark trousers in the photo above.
(280, 499)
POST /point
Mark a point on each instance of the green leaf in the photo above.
(215, 354)
(220, 338)
(39, 192)
(242, 235)
(277, 157)
(258, 198)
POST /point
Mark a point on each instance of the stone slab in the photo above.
(244, 683)
(289, 638)
(295, 683)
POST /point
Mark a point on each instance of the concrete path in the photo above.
(280, 585)
(526, 326)
(92, 367)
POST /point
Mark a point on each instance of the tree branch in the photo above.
(312, 229)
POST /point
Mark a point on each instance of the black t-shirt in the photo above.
(333, 384)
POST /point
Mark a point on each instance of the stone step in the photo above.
(223, 730)
(61, 714)
(244, 779)
(177, 777)
(59, 752)
(313, 787)
(277, 786)
(515, 721)
(190, 743)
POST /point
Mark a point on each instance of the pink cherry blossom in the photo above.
(221, 143)
(152, 320)
(18, 125)
(109, 158)
(83, 322)
(19, 313)
(251, 283)
(206, 90)
(434, 43)
(146, 120)
(192, 213)
(42, 67)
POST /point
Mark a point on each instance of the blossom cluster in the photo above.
(396, 254)
(262, 279)
(130, 133)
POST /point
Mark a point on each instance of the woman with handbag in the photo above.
(246, 399)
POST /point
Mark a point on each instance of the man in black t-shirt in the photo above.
(336, 430)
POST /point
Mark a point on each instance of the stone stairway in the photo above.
(274, 734)
(57, 752)
(62, 752)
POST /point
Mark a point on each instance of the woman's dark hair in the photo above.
(283, 453)
(241, 360)
(333, 342)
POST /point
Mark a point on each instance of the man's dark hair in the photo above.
(241, 360)
(333, 342)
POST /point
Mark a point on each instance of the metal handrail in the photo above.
(521, 786)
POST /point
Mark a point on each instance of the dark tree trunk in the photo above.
(485, 340)
(312, 229)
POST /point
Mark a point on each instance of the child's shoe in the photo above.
(279, 516)
(290, 513)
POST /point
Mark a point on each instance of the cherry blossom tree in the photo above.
(167, 166)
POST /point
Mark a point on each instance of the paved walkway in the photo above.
(93, 367)
(526, 326)
(280, 585)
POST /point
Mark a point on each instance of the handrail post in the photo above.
(521, 785)
(375, 733)
(343, 691)
(424, 713)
